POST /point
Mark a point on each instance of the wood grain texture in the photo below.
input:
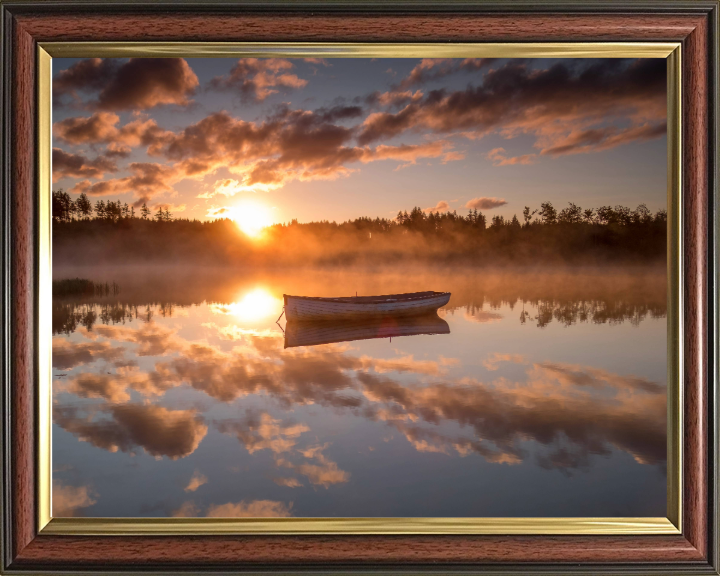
(218, 551)
(30, 551)
(359, 28)
(22, 293)
(695, 190)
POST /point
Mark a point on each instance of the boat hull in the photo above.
(303, 308)
(298, 333)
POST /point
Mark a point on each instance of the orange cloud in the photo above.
(484, 203)
(263, 432)
(441, 206)
(67, 354)
(498, 157)
(68, 500)
(253, 509)
(196, 481)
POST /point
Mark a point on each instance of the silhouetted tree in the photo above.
(62, 206)
(100, 209)
(84, 206)
(527, 215)
(571, 215)
(548, 213)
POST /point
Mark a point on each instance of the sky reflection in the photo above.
(516, 411)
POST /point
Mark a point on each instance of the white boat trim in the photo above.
(314, 308)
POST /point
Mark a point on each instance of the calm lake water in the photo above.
(177, 397)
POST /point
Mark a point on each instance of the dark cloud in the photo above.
(144, 83)
(339, 113)
(87, 75)
(138, 84)
(147, 180)
(550, 103)
(65, 164)
(430, 69)
(159, 431)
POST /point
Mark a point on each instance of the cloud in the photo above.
(68, 500)
(263, 432)
(569, 107)
(196, 481)
(485, 203)
(187, 509)
(482, 316)
(441, 206)
(572, 412)
(252, 509)
(242, 509)
(336, 113)
(138, 84)
(583, 141)
(87, 75)
(319, 470)
(409, 153)
(430, 69)
(93, 385)
(319, 61)
(159, 431)
(255, 79)
(288, 482)
(67, 354)
(261, 156)
(146, 181)
(493, 361)
(100, 127)
(499, 158)
(550, 104)
(152, 339)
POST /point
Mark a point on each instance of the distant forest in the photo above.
(113, 232)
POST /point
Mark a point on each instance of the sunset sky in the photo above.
(336, 139)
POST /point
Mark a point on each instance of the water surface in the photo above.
(177, 397)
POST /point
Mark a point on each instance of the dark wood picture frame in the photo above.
(693, 23)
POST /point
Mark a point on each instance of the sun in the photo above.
(251, 217)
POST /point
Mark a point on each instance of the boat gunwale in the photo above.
(383, 298)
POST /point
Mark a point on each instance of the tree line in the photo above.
(422, 221)
(65, 209)
(112, 231)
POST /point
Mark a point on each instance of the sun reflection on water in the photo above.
(256, 305)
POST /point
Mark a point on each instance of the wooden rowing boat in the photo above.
(354, 307)
(314, 333)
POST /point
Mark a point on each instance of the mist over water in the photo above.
(177, 396)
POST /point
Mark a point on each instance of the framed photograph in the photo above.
(360, 288)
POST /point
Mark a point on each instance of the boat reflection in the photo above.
(299, 333)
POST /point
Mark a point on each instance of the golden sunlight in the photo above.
(251, 217)
(255, 305)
